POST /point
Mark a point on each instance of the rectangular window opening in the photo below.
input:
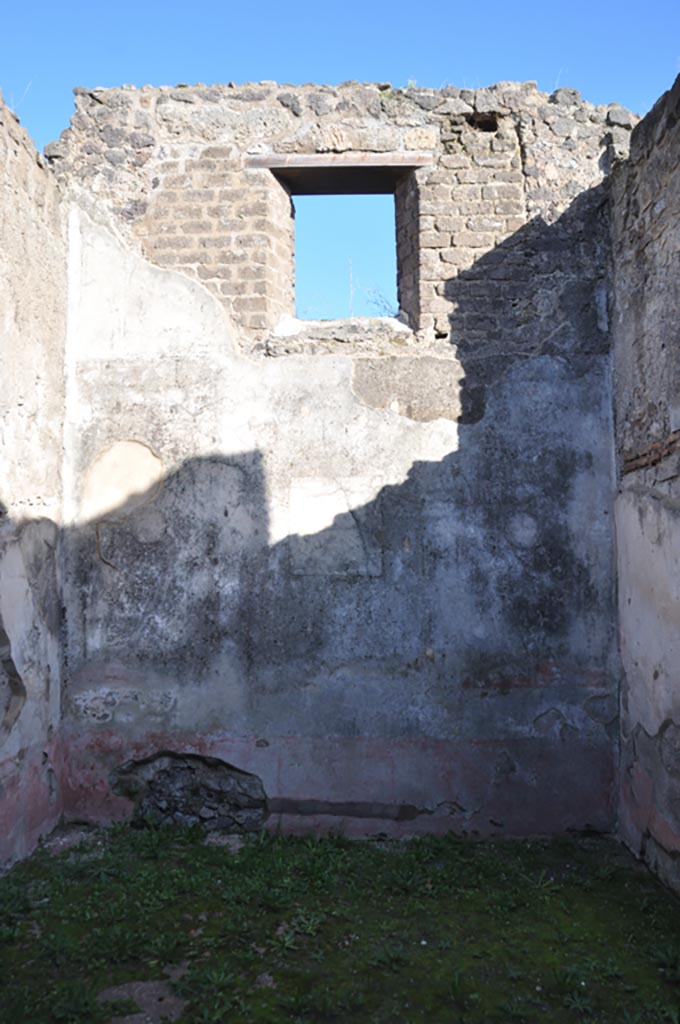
(345, 256)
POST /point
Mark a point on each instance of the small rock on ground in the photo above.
(64, 837)
(265, 980)
(155, 999)
(234, 843)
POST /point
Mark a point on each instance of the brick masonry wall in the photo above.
(646, 330)
(172, 166)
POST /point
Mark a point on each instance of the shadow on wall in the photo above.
(32, 575)
(467, 612)
(160, 581)
(12, 689)
(541, 292)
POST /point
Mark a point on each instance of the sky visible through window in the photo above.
(345, 256)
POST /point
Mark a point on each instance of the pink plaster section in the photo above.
(363, 785)
(30, 804)
(639, 816)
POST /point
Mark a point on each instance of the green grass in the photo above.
(432, 930)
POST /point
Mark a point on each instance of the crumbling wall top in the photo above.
(194, 175)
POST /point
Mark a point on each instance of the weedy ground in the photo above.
(328, 930)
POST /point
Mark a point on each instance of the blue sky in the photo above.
(625, 52)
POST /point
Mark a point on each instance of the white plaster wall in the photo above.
(151, 361)
(648, 533)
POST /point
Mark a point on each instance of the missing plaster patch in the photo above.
(123, 705)
(669, 739)
(119, 480)
(171, 788)
(421, 388)
(12, 689)
(486, 122)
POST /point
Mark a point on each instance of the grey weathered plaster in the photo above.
(646, 327)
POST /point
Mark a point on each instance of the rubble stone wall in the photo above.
(646, 328)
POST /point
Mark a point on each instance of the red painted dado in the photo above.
(30, 798)
(364, 786)
(639, 815)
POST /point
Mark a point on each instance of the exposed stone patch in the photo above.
(187, 789)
